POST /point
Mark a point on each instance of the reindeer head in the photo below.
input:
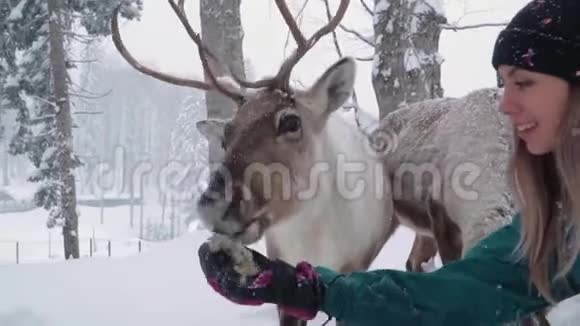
(270, 144)
(269, 147)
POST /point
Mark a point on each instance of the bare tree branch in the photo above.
(83, 61)
(88, 112)
(89, 97)
(455, 28)
(355, 105)
(367, 7)
(78, 91)
(365, 39)
(369, 58)
(334, 38)
(458, 28)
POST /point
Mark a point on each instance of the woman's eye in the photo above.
(525, 83)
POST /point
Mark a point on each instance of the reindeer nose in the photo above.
(206, 199)
(215, 189)
(217, 183)
(219, 179)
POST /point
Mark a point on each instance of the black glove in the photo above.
(246, 277)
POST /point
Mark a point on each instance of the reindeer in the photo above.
(316, 188)
(448, 172)
(450, 141)
(300, 153)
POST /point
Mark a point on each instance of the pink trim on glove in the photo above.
(215, 285)
(305, 271)
(263, 280)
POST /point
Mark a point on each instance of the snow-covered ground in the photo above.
(162, 285)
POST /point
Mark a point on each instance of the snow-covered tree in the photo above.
(407, 65)
(39, 40)
(4, 12)
(221, 29)
(186, 142)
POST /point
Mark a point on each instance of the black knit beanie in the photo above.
(544, 37)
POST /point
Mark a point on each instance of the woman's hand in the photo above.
(246, 277)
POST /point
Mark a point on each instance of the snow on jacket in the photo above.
(489, 286)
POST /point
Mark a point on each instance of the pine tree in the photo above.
(187, 144)
(4, 12)
(37, 44)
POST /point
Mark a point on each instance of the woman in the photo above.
(520, 269)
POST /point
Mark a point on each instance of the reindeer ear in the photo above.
(334, 87)
(211, 128)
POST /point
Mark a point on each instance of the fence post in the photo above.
(139, 245)
(94, 242)
(109, 247)
(91, 247)
(17, 252)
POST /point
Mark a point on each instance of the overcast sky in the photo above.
(159, 40)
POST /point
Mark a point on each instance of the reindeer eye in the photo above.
(289, 123)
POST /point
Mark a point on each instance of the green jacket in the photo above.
(487, 287)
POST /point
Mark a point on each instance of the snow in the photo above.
(229, 83)
(16, 12)
(49, 152)
(3, 64)
(24, 57)
(11, 81)
(435, 5)
(411, 59)
(381, 6)
(422, 7)
(162, 285)
(242, 259)
(390, 28)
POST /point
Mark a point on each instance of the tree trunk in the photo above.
(407, 66)
(221, 30)
(64, 129)
(5, 164)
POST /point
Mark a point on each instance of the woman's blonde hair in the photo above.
(547, 188)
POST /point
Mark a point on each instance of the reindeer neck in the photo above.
(329, 225)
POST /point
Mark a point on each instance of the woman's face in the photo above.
(535, 103)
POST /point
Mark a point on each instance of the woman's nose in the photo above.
(508, 104)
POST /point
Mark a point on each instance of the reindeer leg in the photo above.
(286, 320)
(424, 248)
(446, 233)
(415, 217)
(542, 319)
(537, 319)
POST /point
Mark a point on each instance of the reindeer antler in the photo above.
(303, 45)
(282, 78)
(204, 54)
